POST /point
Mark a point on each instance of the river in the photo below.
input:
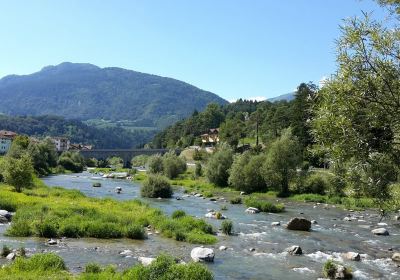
(327, 239)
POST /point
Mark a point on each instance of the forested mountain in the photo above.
(77, 131)
(85, 91)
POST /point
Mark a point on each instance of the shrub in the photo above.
(72, 161)
(173, 165)
(103, 230)
(264, 206)
(70, 230)
(93, 268)
(178, 214)
(198, 170)
(180, 236)
(5, 251)
(139, 160)
(236, 200)
(155, 164)
(19, 228)
(47, 229)
(156, 186)
(227, 227)
(316, 183)
(135, 232)
(40, 262)
(17, 172)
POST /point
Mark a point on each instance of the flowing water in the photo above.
(328, 239)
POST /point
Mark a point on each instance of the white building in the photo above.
(62, 143)
(6, 138)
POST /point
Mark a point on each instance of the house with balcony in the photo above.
(6, 138)
(210, 138)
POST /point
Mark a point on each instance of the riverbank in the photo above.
(56, 212)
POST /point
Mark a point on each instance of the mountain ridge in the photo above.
(85, 91)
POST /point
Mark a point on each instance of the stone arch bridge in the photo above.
(125, 154)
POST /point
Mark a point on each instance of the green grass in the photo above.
(263, 205)
(57, 212)
(346, 202)
(50, 266)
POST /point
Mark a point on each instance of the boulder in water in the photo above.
(380, 231)
(294, 250)
(222, 248)
(146, 261)
(51, 242)
(11, 256)
(396, 257)
(299, 224)
(275, 224)
(252, 210)
(3, 220)
(200, 254)
(352, 256)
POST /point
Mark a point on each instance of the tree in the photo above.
(155, 186)
(18, 172)
(232, 130)
(72, 161)
(155, 164)
(173, 165)
(19, 146)
(282, 158)
(246, 173)
(218, 166)
(44, 156)
(116, 162)
(139, 160)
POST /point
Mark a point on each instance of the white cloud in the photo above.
(257, 98)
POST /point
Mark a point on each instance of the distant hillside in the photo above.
(288, 97)
(85, 91)
(76, 131)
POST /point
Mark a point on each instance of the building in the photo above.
(6, 138)
(80, 147)
(62, 143)
(212, 137)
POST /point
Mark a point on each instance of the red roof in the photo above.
(7, 134)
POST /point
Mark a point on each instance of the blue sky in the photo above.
(234, 48)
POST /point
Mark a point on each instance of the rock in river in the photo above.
(352, 256)
(10, 256)
(200, 254)
(294, 250)
(146, 261)
(252, 210)
(299, 224)
(3, 220)
(380, 231)
(396, 257)
(275, 224)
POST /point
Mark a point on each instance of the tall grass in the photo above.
(263, 205)
(57, 212)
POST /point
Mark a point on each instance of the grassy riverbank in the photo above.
(56, 212)
(51, 266)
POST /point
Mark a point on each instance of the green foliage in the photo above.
(139, 160)
(178, 214)
(246, 173)
(17, 172)
(135, 232)
(44, 156)
(116, 162)
(218, 165)
(227, 227)
(264, 206)
(329, 270)
(155, 164)
(78, 132)
(55, 212)
(5, 251)
(93, 268)
(236, 200)
(198, 170)
(173, 165)
(41, 262)
(283, 156)
(232, 130)
(148, 100)
(316, 182)
(156, 185)
(72, 161)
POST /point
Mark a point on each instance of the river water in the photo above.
(328, 239)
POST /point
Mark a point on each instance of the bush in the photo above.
(227, 227)
(70, 230)
(139, 160)
(155, 164)
(236, 200)
(40, 262)
(47, 229)
(178, 214)
(92, 268)
(264, 206)
(135, 232)
(17, 172)
(173, 165)
(156, 186)
(72, 161)
(198, 170)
